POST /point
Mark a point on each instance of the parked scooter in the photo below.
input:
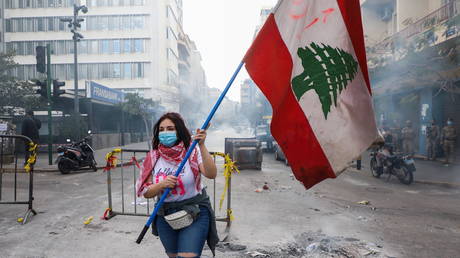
(76, 156)
(384, 161)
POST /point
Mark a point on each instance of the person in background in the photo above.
(448, 138)
(408, 138)
(396, 133)
(30, 127)
(171, 140)
(432, 138)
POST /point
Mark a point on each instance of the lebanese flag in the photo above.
(309, 61)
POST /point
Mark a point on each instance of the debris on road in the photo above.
(364, 202)
(259, 190)
(257, 254)
(265, 187)
(88, 220)
(312, 244)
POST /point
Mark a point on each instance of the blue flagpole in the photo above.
(187, 155)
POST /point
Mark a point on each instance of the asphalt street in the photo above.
(353, 211)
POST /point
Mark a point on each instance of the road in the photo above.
(286, 220)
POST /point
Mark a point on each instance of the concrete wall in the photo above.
(101, 141)
(413, 9)
(375, 30)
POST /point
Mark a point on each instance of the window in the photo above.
(116, 70)
(140, 70)
(103, 22)
(126, 22)
(40, 24)
(83, 47)
(138, 22)
(127, 71)
(105, 47)
(138, 46)
(127, 46)
(51, 24)
(62, 26)
(116, 47)
(94, 47)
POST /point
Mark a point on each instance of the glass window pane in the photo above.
(138, 46)
(103, 22)
(127, 71)
(83, 47)
(116, 46)
(116, 70)
(40, 24)
(51, 24)
(126, 46)
(94, 47)
(126, 22)
(105, 47)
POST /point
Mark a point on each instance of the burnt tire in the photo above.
(375, 170)
(405, 175)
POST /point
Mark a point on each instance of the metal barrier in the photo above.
(125, 169)
(9, 155)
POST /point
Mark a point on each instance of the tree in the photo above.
(138, 106)
(73, 127)
(15, 93)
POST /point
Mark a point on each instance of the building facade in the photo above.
(251, 98)
(412, 50)
(130, 45)
(194, 91)
(2, 26)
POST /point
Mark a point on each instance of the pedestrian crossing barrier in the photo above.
(123, 169)
(14, 186)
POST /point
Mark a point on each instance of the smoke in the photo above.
(410, 68)
(215, 140)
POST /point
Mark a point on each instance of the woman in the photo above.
(171, 140)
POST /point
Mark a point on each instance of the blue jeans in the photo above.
(186, 240)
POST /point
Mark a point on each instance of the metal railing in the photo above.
(10, 171)
(123, 169)
(434, 18)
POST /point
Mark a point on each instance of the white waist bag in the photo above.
(179, 219)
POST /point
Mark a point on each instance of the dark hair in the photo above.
(30, 112)
(183, 135)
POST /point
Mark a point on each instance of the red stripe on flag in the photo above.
(351, 13)
(269, 64)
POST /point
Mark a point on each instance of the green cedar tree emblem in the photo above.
(327, 70)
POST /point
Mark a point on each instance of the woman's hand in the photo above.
(200, 135)
(169, 182)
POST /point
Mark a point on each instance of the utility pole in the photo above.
(48, 87)
(74, 25)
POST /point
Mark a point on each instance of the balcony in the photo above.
(435, 28)
(438, 17)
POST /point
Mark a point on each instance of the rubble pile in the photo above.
(318, 245)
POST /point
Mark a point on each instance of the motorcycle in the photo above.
(78, 155)
(401, 166)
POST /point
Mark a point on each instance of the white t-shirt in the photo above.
(186, 187)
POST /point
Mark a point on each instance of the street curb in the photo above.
(40, 170)
(444, 184)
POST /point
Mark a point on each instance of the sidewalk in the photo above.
(429, 172)
(42, 164)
